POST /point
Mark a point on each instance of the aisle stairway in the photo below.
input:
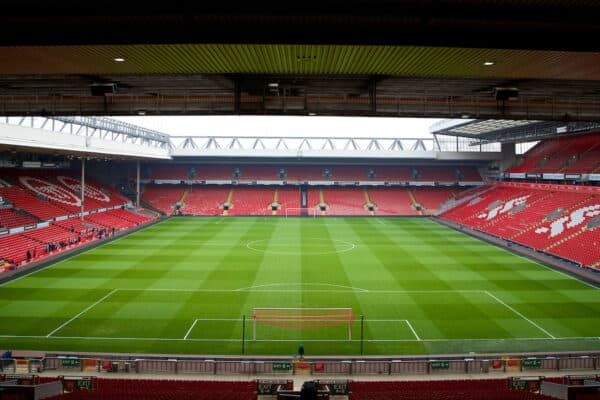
(368, 201)
(275, 200)
(322, 200)
(183, 196)
(228, 201)
(413, 201)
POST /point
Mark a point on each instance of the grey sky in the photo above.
(285, 126)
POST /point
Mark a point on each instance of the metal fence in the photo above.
(314, 366)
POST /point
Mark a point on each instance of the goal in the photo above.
(301, 211)
(303, 318)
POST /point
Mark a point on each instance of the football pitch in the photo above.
(191, 285)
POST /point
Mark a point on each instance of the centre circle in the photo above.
(308, 246)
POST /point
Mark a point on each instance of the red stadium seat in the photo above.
(164, 389)
(547, 218)
(475, 389)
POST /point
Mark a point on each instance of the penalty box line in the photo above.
(498, 300)
(407, 322)
(187, 334)
(519, 314)
(88, 308)
(398, 320)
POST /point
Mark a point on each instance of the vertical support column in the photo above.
(237, 97)
(373, 95)
(82, 186)
(243, 334)
(137, 185)
(350, 330)
(303, 197)
(362, 332)
(509, 155)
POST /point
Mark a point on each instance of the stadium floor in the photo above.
(190, 285)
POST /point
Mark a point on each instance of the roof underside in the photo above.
(502, 130)
(375, 58)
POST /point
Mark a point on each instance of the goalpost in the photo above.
(303, 318)
(299, 211)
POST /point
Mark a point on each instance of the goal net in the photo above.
(301, 211)
(303, 318)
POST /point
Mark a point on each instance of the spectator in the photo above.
(6, 359)
(28, 255)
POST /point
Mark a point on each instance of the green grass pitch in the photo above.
(184, 286)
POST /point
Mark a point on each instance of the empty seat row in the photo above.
(576, 154)
(258, 200)
(9, 218)
(164, 389)
(47, 194)
(350, 173)
(489, 389)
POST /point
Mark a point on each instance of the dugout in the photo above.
(311, 390)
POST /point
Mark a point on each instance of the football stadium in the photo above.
(142, 260)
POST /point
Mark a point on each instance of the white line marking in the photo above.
(290, 340)
(412, 329)
(351, 289)
(243, 290)
(24, 336)
(190, 330)
(148, 338)
(427, 291)
(447, 340)
(207, 319)
(380, 320)
(498, 246)
(350, 246)
(82, 312)
(396, 320)
(302, 284)
(519, 314)
(219, 319)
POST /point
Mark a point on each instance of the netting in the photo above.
(303, 318)
(300, 211)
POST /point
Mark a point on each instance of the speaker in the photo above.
(103, 89)
(506, 93)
